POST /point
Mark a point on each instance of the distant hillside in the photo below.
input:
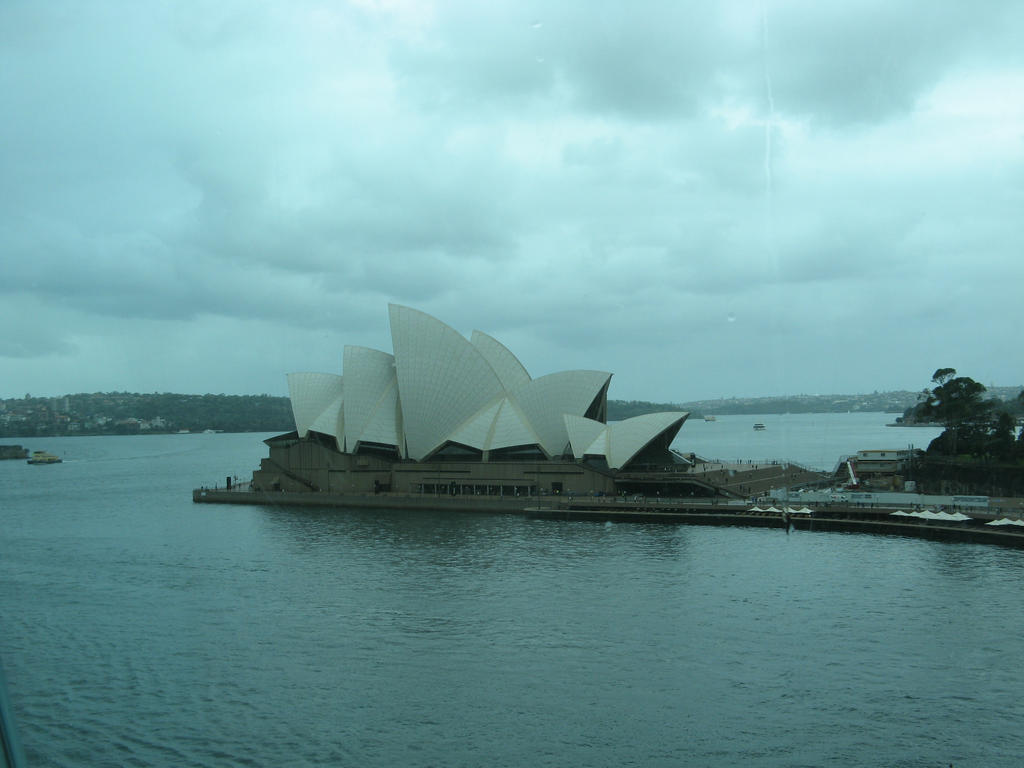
(888, 402)
(131, 413)
(126, 413)
(884, 402)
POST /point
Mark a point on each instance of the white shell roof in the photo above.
(443, 380)
(330, 420)
(511, 429)
(621, 441)
(498, 425)
(475, 432)
(313, 395)
(385, 425)
(371, 397)
(441, 387)
(545, 400)
(627, 438)
(509, 370)
(588, 437)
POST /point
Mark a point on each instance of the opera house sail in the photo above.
(443, 413)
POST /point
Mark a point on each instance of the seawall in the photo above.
(845, 519)
(508, 504)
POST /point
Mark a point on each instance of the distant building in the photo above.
(883, 468)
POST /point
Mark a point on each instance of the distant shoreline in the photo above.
(26, 438)
(693, 416)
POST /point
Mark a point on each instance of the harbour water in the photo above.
(815, 440)
(139, 629)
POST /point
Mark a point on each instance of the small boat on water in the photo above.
(13, 452)
(759, 426)
(42, 457)
(710, 418)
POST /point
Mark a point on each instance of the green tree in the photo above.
(956, 402)
(1001, 443)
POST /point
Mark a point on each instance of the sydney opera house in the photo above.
(443, 414)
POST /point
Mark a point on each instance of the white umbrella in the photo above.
(954, 517)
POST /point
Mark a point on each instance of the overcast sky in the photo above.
(705, 199)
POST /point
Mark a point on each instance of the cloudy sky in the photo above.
(706, 199)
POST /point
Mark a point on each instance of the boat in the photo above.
(42, 457)
(759, 426)
(710, 418)
(13, 452)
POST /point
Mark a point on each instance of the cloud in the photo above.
(34, 338)
(589, 182)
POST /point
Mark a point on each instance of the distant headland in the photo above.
(897, 402)
(127, 413)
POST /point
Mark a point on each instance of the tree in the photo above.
(956, 402)
(1001, 442)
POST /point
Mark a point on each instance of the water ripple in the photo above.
(139, 629)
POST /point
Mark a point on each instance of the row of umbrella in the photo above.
(927, 514)
(919, 514)
(1006, 521)
(789, 510)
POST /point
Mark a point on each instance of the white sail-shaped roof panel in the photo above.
(475, 432)
(443, 380)
(506, 365)
(586, 436)
(546, 400)
(311, 394)
(383, 426)
(600, 445)
(331, 420)
(627, 438)
(370, 396)
(511, 429)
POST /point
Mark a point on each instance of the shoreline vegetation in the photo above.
(126, 413)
